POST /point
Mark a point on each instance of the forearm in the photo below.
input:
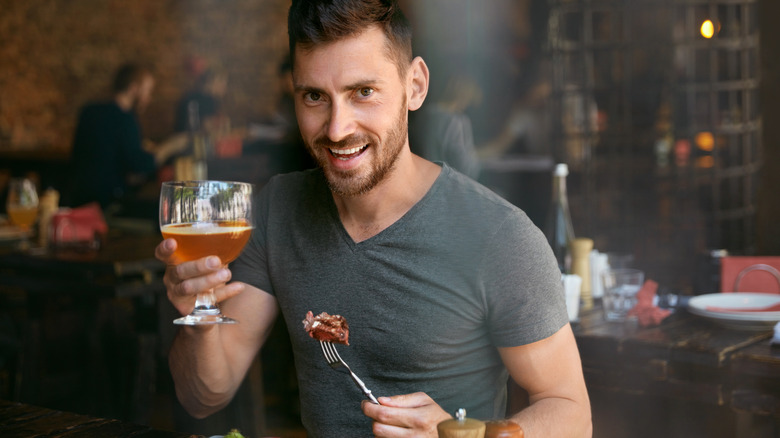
(204, 380)
(169, 148)
(555, 417)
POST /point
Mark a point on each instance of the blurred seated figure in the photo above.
(524, 129)
(110, 157)
(206, 96)
(441, 130)
(278, 135)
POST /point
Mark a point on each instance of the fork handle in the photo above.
(363, 388)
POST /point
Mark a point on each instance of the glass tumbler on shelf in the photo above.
(206, 218)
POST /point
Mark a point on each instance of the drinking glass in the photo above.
(620, 289)
(22, 203)
(206, 218)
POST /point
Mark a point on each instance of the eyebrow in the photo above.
(348, 87)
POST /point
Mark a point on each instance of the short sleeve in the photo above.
(522, 284)
(251, 266)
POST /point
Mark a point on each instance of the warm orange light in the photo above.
(705, 141)
(707, 29)
(705, 162)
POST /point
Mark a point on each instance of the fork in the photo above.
(335, 361)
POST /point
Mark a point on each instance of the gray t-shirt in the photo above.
(427, 300)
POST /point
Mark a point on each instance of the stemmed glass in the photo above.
(206, 218)
(22, 204)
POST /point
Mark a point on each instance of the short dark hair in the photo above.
(314, 22)
(129, 74)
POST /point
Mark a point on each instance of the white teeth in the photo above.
(346, 151)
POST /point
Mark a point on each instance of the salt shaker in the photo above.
(580, 265)
(461, 427)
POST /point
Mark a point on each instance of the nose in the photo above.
(342, 121)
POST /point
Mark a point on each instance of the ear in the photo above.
(417, 83)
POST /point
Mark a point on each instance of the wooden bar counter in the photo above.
(687, 375)
(18, 420)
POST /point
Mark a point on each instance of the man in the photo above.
(446, 287)
(109, 155)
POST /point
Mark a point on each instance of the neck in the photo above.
(366, 215)
(124, 101)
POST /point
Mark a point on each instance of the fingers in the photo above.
(183, 281)
(189, 278)
(164, 251)
(414, 400)
(414, 415)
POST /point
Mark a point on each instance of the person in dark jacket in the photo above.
(109, 155)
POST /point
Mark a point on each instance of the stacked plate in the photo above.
(743, 310)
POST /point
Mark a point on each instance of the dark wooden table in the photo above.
(663, 379)
(18, 420)
(81, 327)
(89, 332)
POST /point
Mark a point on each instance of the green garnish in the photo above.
(234, 433)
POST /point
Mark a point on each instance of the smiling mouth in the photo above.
(346, 154)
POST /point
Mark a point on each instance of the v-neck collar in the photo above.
(390, 230)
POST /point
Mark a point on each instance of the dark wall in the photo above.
(57, 54)
(768, 214)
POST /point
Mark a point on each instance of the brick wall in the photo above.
(55, 55)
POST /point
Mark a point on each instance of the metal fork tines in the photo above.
(335, 361)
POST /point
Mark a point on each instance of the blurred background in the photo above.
(666, 111)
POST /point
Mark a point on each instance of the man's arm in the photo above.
(208, 363)
(551, 372)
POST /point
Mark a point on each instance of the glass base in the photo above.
(196, 318)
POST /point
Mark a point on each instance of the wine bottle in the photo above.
(198, 139)
(559, 230)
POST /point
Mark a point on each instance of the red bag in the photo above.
(81, 225)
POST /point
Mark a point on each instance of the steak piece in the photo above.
(328, 328)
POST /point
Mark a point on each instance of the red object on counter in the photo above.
(229, 147)
(78, 225)
(646, 312)
(750, 274)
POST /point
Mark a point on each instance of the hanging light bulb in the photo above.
(709, 28)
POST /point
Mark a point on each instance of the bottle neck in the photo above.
(559, 189)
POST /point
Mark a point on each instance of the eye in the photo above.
(312, 96)
(366, 91)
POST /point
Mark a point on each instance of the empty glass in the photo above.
(620, 289)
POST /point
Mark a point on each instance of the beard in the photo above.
(351, 182)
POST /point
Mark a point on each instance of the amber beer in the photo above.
(23, 217)
(224, 239)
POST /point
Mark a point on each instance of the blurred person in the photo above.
(207, 93)
(110, 156)
(278, 136)
(441, 130)
(448, 289)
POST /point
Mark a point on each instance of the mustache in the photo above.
(345, 143)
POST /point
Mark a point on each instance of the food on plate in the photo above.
(328, 328)
(234, 433)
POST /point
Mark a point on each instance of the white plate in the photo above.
(700, 305)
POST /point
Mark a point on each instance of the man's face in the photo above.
(144, 93)
(351, 105)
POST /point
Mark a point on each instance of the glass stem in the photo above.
(205, 302)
